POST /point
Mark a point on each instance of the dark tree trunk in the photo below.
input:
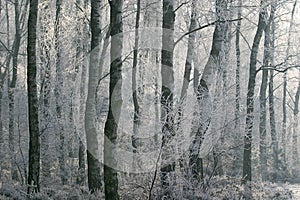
(168, 163)
(137, 109)
(94, 180)
(34, 140)
(115, 100)
(247, 175)
(237, 114)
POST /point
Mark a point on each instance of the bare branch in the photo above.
(202, 27)
(182, 4)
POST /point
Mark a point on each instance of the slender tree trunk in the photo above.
(271, 99)
(208, 89)
(93, 156)
(45, 93)
(237, 114)
(263, 106)
(284, 89)
(34, 143)
(12, 85)
(247, 172)
(186, 79)
(136, 115)
(58, 95)
(81, 151)
(115, 101)
(295, 155)
(168, 163)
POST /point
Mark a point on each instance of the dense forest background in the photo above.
(149, 99)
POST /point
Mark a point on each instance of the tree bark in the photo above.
(11, 95)
(58, 95)
(237, 114)
(263, 106)
(81, 151)
(295, 155)
(115, 101)
(137, 109)
(208, 91)
(94, 180)
(167, 161)
(247, 173)
(45, 92)
(284, 89)
(271, 99)
(34, 143)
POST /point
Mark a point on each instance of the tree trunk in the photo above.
(81, 149)
(271, 99)
(237, 114)
(11, 94)
(115, 101)
(247, 175)
(58, 96)
(45, 93)
(263, 106)
(136, 115)
(34, 143)
(167, 162)
(208, 92)
(284, 89)
(93, 156)
(295, 155)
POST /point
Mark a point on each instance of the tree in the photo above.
(247, 175)
(34, 133)
(271, 96)
(208, 91)
(94, 180)
(45, 75)
(58, 94)
(12, 86)
(136, 115)
(263, 106)
(284, 89)
(115, 100)
(295, 155)
(237, 114)
(168, 165)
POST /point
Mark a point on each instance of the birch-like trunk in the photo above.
(167, 168)
(237, 114)
(115, 101)
(11, 93)
(295, 154)
(273, 131)
(208, 92)
(284, 88)
(263, 106)
(93, 154)
(45, 91)
(247, 172)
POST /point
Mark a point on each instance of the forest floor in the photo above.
(295, 188)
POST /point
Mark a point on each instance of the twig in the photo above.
(202, 27)
(182, 4)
